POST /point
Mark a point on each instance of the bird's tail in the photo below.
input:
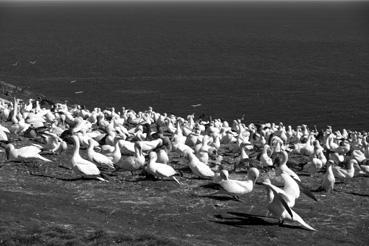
(298, 219)
(43, 158)
(101, 179)
(175, 179)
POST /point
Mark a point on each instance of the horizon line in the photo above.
(173, 1)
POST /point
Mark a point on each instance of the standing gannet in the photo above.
(203, 149)
(163, 155)
(290, 189)
(238, 187)
(281, 163)
(244, 159)
(328, 178)
(264, 158)
(115, 155)
(82, 166)
(160, 170)
(3, 132)
(24, 153)
(199, 168)
(278, 206)
(98, 157)
(318, 160)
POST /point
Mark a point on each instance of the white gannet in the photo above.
(82, 166)
(3, 133)
(264, 158)
(115, 155)
(126, 147)
(163, 155)
(278, 206)
(281, 163)
(54, 143)
(238, 187)
(132, 163)
(343, 173)
(318, 160)
(151, 145)
(199, 168)
(203, 149)
(98, 157)
(24, 153)
(328, 178)
(160, 170)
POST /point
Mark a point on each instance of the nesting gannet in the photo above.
(54, 143)
(132, 163)
(238, 187)
(151, 145)
(343, 173)
(24, 153)
(127, 147)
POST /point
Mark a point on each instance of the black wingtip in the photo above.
(285, 205)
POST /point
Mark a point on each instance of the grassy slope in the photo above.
(133, 210)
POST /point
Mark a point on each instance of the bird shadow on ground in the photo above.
(243, 219)
(61, 178)
(218, 197)
(355, 193)
(213, 186)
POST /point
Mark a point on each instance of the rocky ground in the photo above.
(43, 204)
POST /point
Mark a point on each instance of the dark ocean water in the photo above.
(290, 62)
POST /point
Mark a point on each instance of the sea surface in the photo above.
(291, 62)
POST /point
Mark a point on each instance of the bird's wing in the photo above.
(87, 167)
(283, 198)
(30, 150)
(165, 170)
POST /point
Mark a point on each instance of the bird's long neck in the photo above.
(329, 170)
(76, 147)
(152, 160)
(244, 155)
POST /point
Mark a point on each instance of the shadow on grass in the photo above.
(355, 194)
(213, 186)
(243, 219)
(41, 235)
